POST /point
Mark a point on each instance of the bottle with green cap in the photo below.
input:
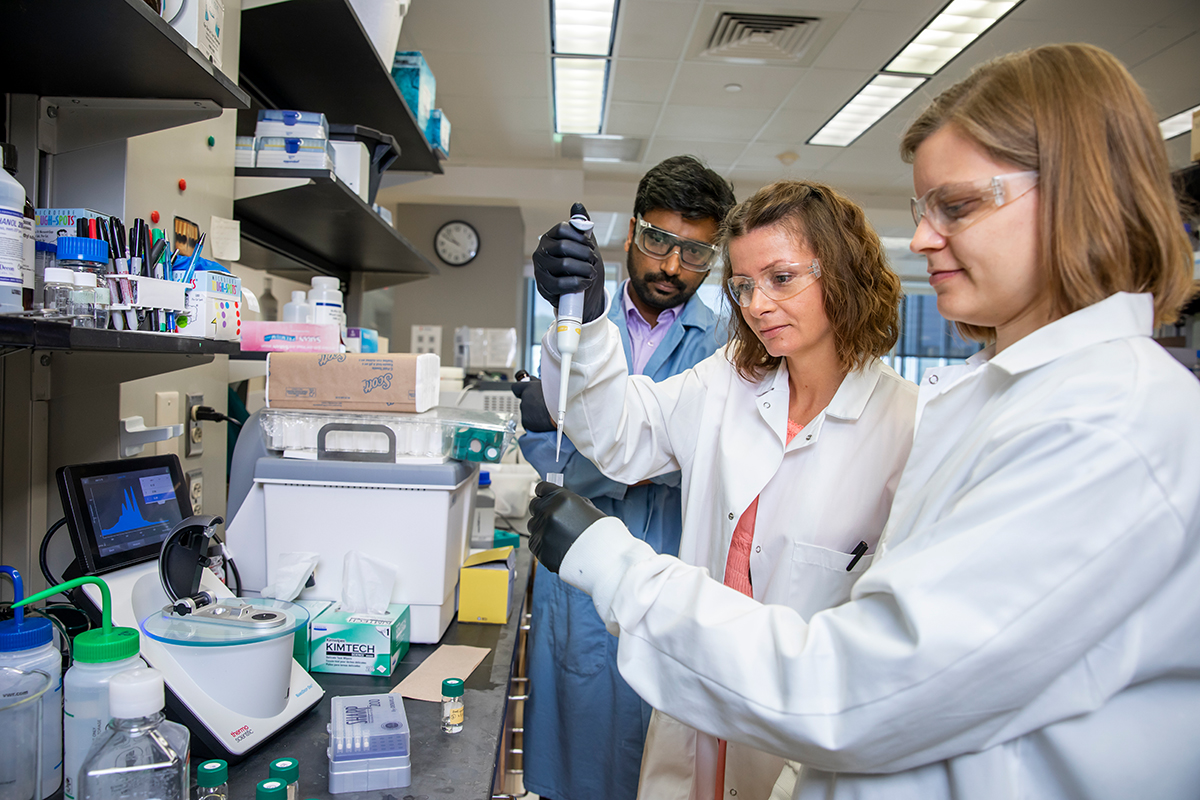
(452, 705)
(288, 771)
(98, 655)
(271, 789)
(212, 780)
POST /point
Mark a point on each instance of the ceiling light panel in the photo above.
(1177, 125)
(583, 27)
(579, 86)
(959, 24)
(872, 102)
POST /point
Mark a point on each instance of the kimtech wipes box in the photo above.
(387, 382)
(359, 643)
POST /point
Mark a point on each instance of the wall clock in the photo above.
(456, 243)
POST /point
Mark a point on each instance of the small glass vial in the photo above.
(288, 771)
(83, 300)
(271, 789)
(452, 705)
(103, 301)
(212, 780)
(56, 293)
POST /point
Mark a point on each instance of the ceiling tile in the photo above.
(883, 162)
(1172, 78)
(638, 81)
(764, 155)
(762, 87)
(1068, 13)
(790, 128)
(482, 143)
(513, 114)
(718, 155)
(701, 122)
(631, 119)
(487, 75)
(826, 90)
(869, 39)
(1150, 42)
(654, 30)
(496, 28)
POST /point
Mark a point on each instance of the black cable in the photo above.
(212, 415)
(50, 579)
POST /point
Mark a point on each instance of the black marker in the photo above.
(858, 552)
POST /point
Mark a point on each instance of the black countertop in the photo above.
(461, 764)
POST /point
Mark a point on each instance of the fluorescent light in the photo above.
(579, 87)
(1179, 124)
(583, 27)
(872, 102)
(603, 160)
(959, 24)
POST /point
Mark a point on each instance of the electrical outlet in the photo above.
(193, 437)
(166, 412)
(195, 482)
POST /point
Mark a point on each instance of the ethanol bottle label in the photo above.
(12, 245)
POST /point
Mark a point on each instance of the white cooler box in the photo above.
(414, 516)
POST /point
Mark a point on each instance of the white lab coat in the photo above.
(1029, 626)
(818, 497)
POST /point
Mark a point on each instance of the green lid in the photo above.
(212, 773)
(271, 789)
(286, 769)
(452, 687)
(97, 646)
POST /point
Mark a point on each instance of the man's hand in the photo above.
(568, 261)
(559, 516)
(535, 417)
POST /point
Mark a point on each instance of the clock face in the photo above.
(457, 243)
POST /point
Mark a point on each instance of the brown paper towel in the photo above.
(448, 661)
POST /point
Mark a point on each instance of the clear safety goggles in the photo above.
(780, 282)
(694, 256)
(957, 206)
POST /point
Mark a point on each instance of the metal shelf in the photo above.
(313, 55)
(105, 48)
(24, 332)
(305, 220)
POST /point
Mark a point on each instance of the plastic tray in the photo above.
(432, 436)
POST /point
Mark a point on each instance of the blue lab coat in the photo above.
(584, 727)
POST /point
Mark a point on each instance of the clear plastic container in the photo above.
(44, 258)
(297, 310)
(80, 254)
(142, 756)
(21, 693)
(483, 534)
(429, 437)
(83, 300)
(103, 304)
(56, 293)
(285, 122)
(276, 151)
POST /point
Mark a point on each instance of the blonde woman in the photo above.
(1027, 628)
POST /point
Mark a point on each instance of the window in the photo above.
(927, 339)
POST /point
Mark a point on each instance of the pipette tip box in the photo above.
(368, 744)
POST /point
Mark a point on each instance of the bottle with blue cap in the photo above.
(28, 643)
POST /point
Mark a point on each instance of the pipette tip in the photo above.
(558, 447)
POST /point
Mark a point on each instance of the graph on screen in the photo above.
(131, 517)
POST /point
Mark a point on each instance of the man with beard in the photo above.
(584, 727)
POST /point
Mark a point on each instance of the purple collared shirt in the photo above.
(643, 339)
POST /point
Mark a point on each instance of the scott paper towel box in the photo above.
(386, 382)
(359, 642)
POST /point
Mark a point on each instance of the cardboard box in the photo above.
(1196, 136)
(303, 636)
(416, 83)
(55, 222)
(290, 337)
(359, 643)
(201, 23)
(214, 307)
(362, 340)
(352, 163)
(437, 131)
(485, 585)
(388, 382)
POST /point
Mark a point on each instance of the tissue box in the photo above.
(362, 340)
(291, 124)
(417, 85)
(200, 22)
(485, 586)
(350, 382)
(438, 132)
(352, 163)
(278, 151)
(303, 637)
(359, 643)
(290, 337)
(214, 307)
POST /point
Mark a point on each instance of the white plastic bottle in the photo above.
(297, 310)
(85, 696)
(325, 301)
(142, 756)
(28, 643)
(12, 242)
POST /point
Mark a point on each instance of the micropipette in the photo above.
(570, 324)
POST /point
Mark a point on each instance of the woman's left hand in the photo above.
(559, 517)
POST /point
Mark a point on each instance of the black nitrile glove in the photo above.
(535, 417)
(567, 261)
(559, 517)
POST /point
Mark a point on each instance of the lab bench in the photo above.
(471, 764)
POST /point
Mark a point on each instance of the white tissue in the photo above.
(291, 573)
(366, 584)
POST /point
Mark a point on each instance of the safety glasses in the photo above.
(779, 282)
(957, 206)
(694, 256)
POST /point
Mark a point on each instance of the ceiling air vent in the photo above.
(759, 38)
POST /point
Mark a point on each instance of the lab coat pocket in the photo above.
(582, 643)
(819, 578)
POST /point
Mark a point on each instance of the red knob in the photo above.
(182, 185)
(154, 217)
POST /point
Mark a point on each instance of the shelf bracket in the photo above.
(135, 435)
(73, 123)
